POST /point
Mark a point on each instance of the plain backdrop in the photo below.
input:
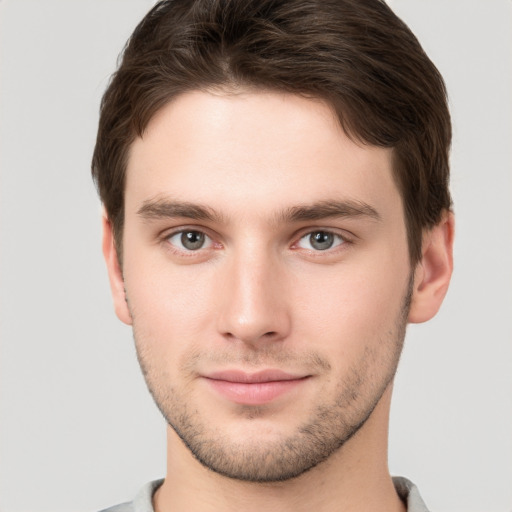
(78, 429)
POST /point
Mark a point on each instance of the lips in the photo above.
(253, 378)
(253, 388)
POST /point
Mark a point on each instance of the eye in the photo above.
(190, 240)
(320, 241)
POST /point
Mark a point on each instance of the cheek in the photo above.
(171, 306)
(352, 311)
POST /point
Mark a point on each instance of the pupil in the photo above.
(192, 240)
(321, 240)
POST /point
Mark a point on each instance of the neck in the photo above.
(355, 478)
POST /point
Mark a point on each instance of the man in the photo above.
(275, 183)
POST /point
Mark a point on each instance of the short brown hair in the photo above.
(357, 55)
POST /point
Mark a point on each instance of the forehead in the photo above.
(275, 149)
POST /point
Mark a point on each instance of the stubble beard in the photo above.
(329, 426)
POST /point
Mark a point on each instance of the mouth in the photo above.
(254, 388)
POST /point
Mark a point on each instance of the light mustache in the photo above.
(254, 360)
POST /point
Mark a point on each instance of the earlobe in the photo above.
(115, 273)
(433, 272)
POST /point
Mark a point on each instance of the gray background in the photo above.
(78, 428)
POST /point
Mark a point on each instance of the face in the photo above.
(267, 278)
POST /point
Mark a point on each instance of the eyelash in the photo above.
(339, 241)
(336, 240)
(184, 252)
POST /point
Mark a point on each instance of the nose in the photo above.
(254, 301)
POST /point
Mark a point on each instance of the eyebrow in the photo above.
(329, 209)
(168, 208)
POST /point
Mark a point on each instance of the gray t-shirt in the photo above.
(143, 501)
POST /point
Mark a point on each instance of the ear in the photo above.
(433, 272)
(115, 273)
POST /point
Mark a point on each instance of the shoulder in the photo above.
(123, 507)
(143, 502)
(409, 494)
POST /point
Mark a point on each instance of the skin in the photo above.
(256, 174)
